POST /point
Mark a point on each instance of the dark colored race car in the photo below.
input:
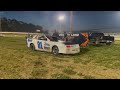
(79, 38)
(97, 38)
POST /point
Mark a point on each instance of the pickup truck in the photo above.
(98, 37)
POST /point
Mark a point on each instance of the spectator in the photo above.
(55, 34)
(65, 36)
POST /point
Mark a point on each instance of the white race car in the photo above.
(55, 45)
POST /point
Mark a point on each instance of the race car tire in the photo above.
(55, 50)
(32, 46)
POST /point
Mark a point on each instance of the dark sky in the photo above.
(81, 19)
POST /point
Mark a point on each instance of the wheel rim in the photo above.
(55, 50)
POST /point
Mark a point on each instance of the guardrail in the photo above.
(16, 33)
(117, 37)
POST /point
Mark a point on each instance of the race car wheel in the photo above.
(55, 50)
(32, 47)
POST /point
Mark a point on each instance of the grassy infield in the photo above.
(17, 61)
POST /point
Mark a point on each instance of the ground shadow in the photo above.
(97, 45)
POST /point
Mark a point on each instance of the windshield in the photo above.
(53, 38)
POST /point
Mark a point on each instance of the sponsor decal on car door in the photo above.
(39, 43)
(43, 45)
(46, 46)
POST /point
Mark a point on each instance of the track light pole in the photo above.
(71, 21)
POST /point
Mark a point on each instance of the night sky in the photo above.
(82, 20)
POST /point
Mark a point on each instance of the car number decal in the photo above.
(39, 45)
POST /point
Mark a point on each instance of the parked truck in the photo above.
(98, 37)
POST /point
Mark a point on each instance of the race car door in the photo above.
(40, 42)
(43, 44)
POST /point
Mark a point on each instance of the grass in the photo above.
(89, 77)
(69, 71)
(60, 76)
(57, 66)
(19, 62)
(39, 73)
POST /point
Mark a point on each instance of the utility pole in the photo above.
(71, 21)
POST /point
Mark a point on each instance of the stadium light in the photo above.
(61, 18)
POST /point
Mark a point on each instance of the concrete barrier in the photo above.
(117, 37)
(16, 33)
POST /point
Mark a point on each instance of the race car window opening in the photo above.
(52, 38)
(42, 38)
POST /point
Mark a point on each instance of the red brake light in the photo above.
(68, 46)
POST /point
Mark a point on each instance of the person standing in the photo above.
(65, 36)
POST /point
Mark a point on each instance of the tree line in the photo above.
(13, 25)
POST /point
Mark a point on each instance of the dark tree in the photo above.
(12, 25)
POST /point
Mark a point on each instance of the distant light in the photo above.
(61, 18)
(37, 30)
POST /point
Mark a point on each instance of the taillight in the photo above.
(68, 46)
